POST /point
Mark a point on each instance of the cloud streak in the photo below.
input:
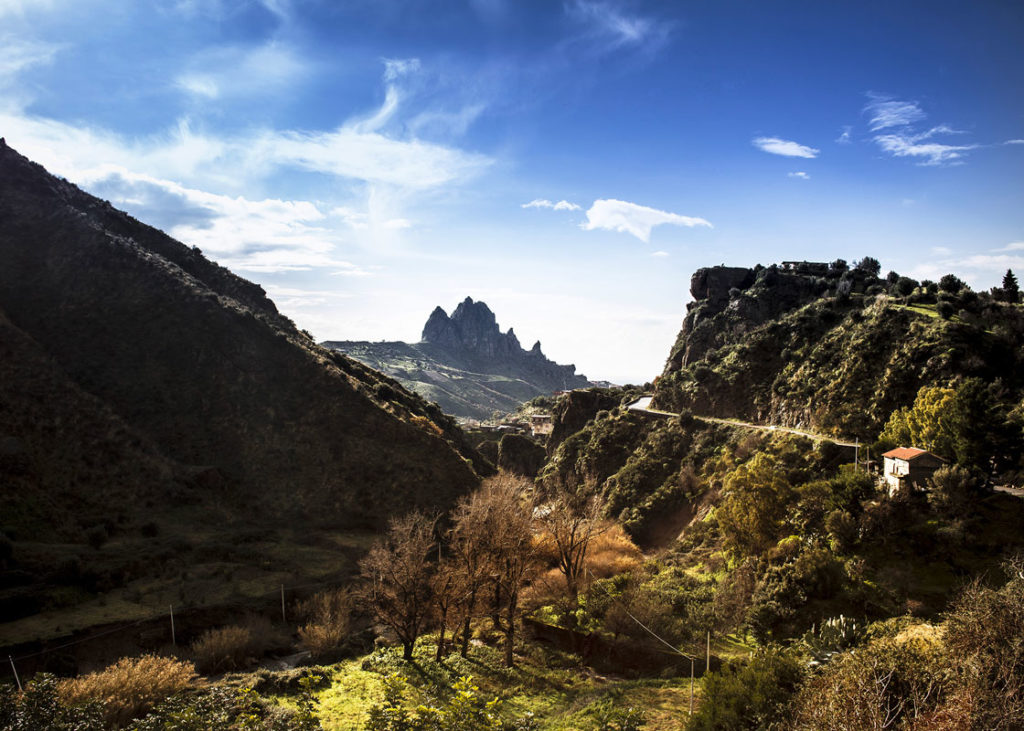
(634, 219)
(17, 55)
(786, 148)
(895, 122)
(607, 19)
(562, 205)
(885, 112)
(267, 235)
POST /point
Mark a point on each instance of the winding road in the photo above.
(643, 405)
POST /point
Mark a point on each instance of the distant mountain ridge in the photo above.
(466, 363)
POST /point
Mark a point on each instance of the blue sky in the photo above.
(569, 163)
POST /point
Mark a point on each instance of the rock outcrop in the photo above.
(827, 348)
(466, 363)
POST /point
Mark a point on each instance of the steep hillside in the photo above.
(835, 352)
(140, 378)
(466, 364)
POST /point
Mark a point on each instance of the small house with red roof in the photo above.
(909, 467)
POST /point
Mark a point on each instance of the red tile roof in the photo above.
(907, 453)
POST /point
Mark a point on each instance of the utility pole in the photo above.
(691, 685)
(174, 639)
(16, 678)
(707, 662)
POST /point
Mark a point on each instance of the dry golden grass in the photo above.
(130, 687)
(612, 553)
(328, 615)
(223, 648)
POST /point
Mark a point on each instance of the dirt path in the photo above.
(644, 405)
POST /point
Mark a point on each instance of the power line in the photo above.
(239, 603)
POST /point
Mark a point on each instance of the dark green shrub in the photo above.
(951, 283)
(40, 707)
(748, 696)
(885, 684)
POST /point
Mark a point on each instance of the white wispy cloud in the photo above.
(199, 85)
(885, 112)
(1014, 142)
(659, 254)
(799, 174)
(631, 218)
(16, 55)
(895, 120)
(610, 19)
(206, 160)
(280, 8)
(608, 26)
(231, 71)
(395, 68)
(979, 270)
(21, 7)
(562, 205)
(786, 148)
(199, 185)
(844, 137)
(931, 153)
(268, 235)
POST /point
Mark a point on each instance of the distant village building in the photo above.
(909, 467)
(541, 424)
(815, 268)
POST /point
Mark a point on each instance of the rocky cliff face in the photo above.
(466, 363)
(728, 301)
(780, 346)
(194, 372)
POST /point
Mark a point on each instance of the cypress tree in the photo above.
(1010, 288)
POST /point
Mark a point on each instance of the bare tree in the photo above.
(398, 574)
(570, 523)
(475, 520)
(513, 551)
(448, 589)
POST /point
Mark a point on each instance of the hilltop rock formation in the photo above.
(466, 363)
(827, 347)
(136, 372)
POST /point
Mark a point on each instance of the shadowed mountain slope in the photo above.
(466, 364)
(137, 373)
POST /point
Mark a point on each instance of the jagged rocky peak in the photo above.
(441, 330)
(472, 327)
(466, 363)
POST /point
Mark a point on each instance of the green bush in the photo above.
(885, 684)
(224, 709)
(465, 710)
(748, 696)
(40, 707)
